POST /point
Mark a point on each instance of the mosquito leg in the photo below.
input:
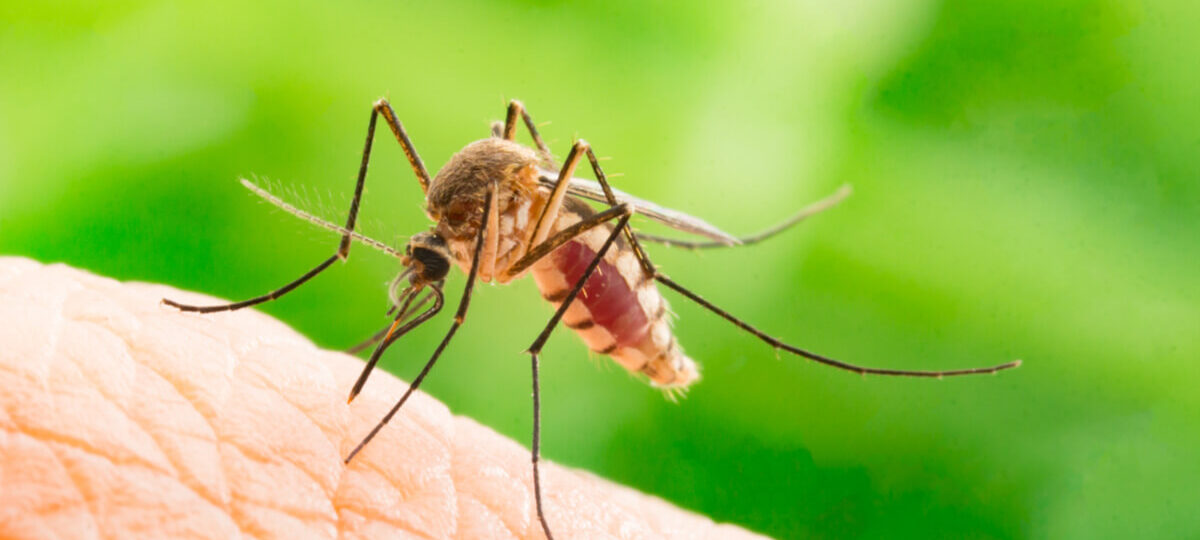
(651, 271)
(549, 214)
(491, 243)
(536, 348)
(383, 107)
(384, 331)
(394, 332)
(647, 266)
(343, 250)
(535, 450)
(459, 317)
(258, 299)
(823, 359)
(566, 235)
(804, 213)
(515, 109)
(362, 346)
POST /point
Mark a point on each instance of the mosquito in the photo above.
(503, 210)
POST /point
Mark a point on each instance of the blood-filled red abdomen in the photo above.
(606, 294)
(617, 312)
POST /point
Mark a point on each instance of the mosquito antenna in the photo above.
(293, 210)
(804, 213)
(824, 359)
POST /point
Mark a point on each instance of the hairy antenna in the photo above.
(291, 209)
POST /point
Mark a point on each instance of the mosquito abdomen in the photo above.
(618, 312)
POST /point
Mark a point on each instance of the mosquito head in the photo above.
(427, 258)
(458, 192)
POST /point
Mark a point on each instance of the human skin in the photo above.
(122, 418)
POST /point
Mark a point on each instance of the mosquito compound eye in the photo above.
(434, 265)
(459, 212)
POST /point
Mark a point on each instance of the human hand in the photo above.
(120, 418)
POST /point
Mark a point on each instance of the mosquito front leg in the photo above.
(459, 317)
(393, 332)
(416, 306)
(343, 250)
(536, 348)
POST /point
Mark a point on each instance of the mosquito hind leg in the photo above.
(536, 348)
(381, 107)
(652, 272)
(861, 370)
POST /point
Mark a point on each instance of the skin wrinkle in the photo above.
(215, 439)
(411, 492)
(241, 367)
(267, 382)
(215, 499)
(406, 495)
(51, 435)
(486, 468)
(175, 470)
(479, 512)
(272, 458)
(295, 512)
(62, 439)
(60, 319)
(81, 500)
(175, 386)
(223, 498)
(430, 475)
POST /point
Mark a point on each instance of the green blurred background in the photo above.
(1025, 187)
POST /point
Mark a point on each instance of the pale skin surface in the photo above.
(121, 418)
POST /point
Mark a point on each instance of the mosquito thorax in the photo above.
(458, 192)
(428, 257)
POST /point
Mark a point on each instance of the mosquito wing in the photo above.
(675, 219)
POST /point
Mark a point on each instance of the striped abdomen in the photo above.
(618, 312)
